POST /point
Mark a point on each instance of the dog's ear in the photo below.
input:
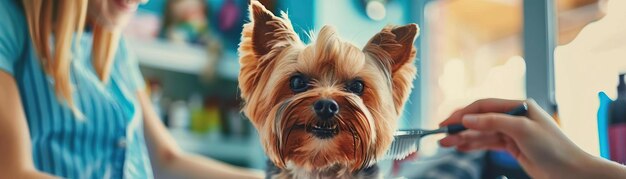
(262, 39)
(394, 47)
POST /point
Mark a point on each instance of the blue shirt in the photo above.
(109, 142)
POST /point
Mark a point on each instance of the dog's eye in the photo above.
(298, 83)
(355, 87)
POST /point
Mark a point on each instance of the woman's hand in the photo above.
(534, 140)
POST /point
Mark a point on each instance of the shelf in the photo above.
(169, 56)
(183, 58)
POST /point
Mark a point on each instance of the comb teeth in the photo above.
(402, 146)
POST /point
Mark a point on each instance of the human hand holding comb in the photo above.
(407, 141)
(534, 140)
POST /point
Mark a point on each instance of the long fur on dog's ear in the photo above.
(262, 39)
(394, 47)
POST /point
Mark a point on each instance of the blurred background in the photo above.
(566, 54)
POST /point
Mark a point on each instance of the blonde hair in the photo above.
(62, 19)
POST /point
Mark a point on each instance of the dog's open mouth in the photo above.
(323, 130)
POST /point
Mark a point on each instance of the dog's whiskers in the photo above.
(351, 129)
(282, 148)
(283, 113)
(356, 129)
(366, 154)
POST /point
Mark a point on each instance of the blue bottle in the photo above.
(603, 124)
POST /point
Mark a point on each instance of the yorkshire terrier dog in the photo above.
(327, 109)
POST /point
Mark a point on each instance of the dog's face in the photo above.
(326, 104)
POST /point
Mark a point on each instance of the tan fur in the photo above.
(271, 53)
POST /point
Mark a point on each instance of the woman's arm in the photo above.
(602, 168)
(168, 156)
(15, 156)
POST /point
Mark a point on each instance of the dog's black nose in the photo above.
(325, 108)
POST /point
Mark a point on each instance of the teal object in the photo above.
(603, 124)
